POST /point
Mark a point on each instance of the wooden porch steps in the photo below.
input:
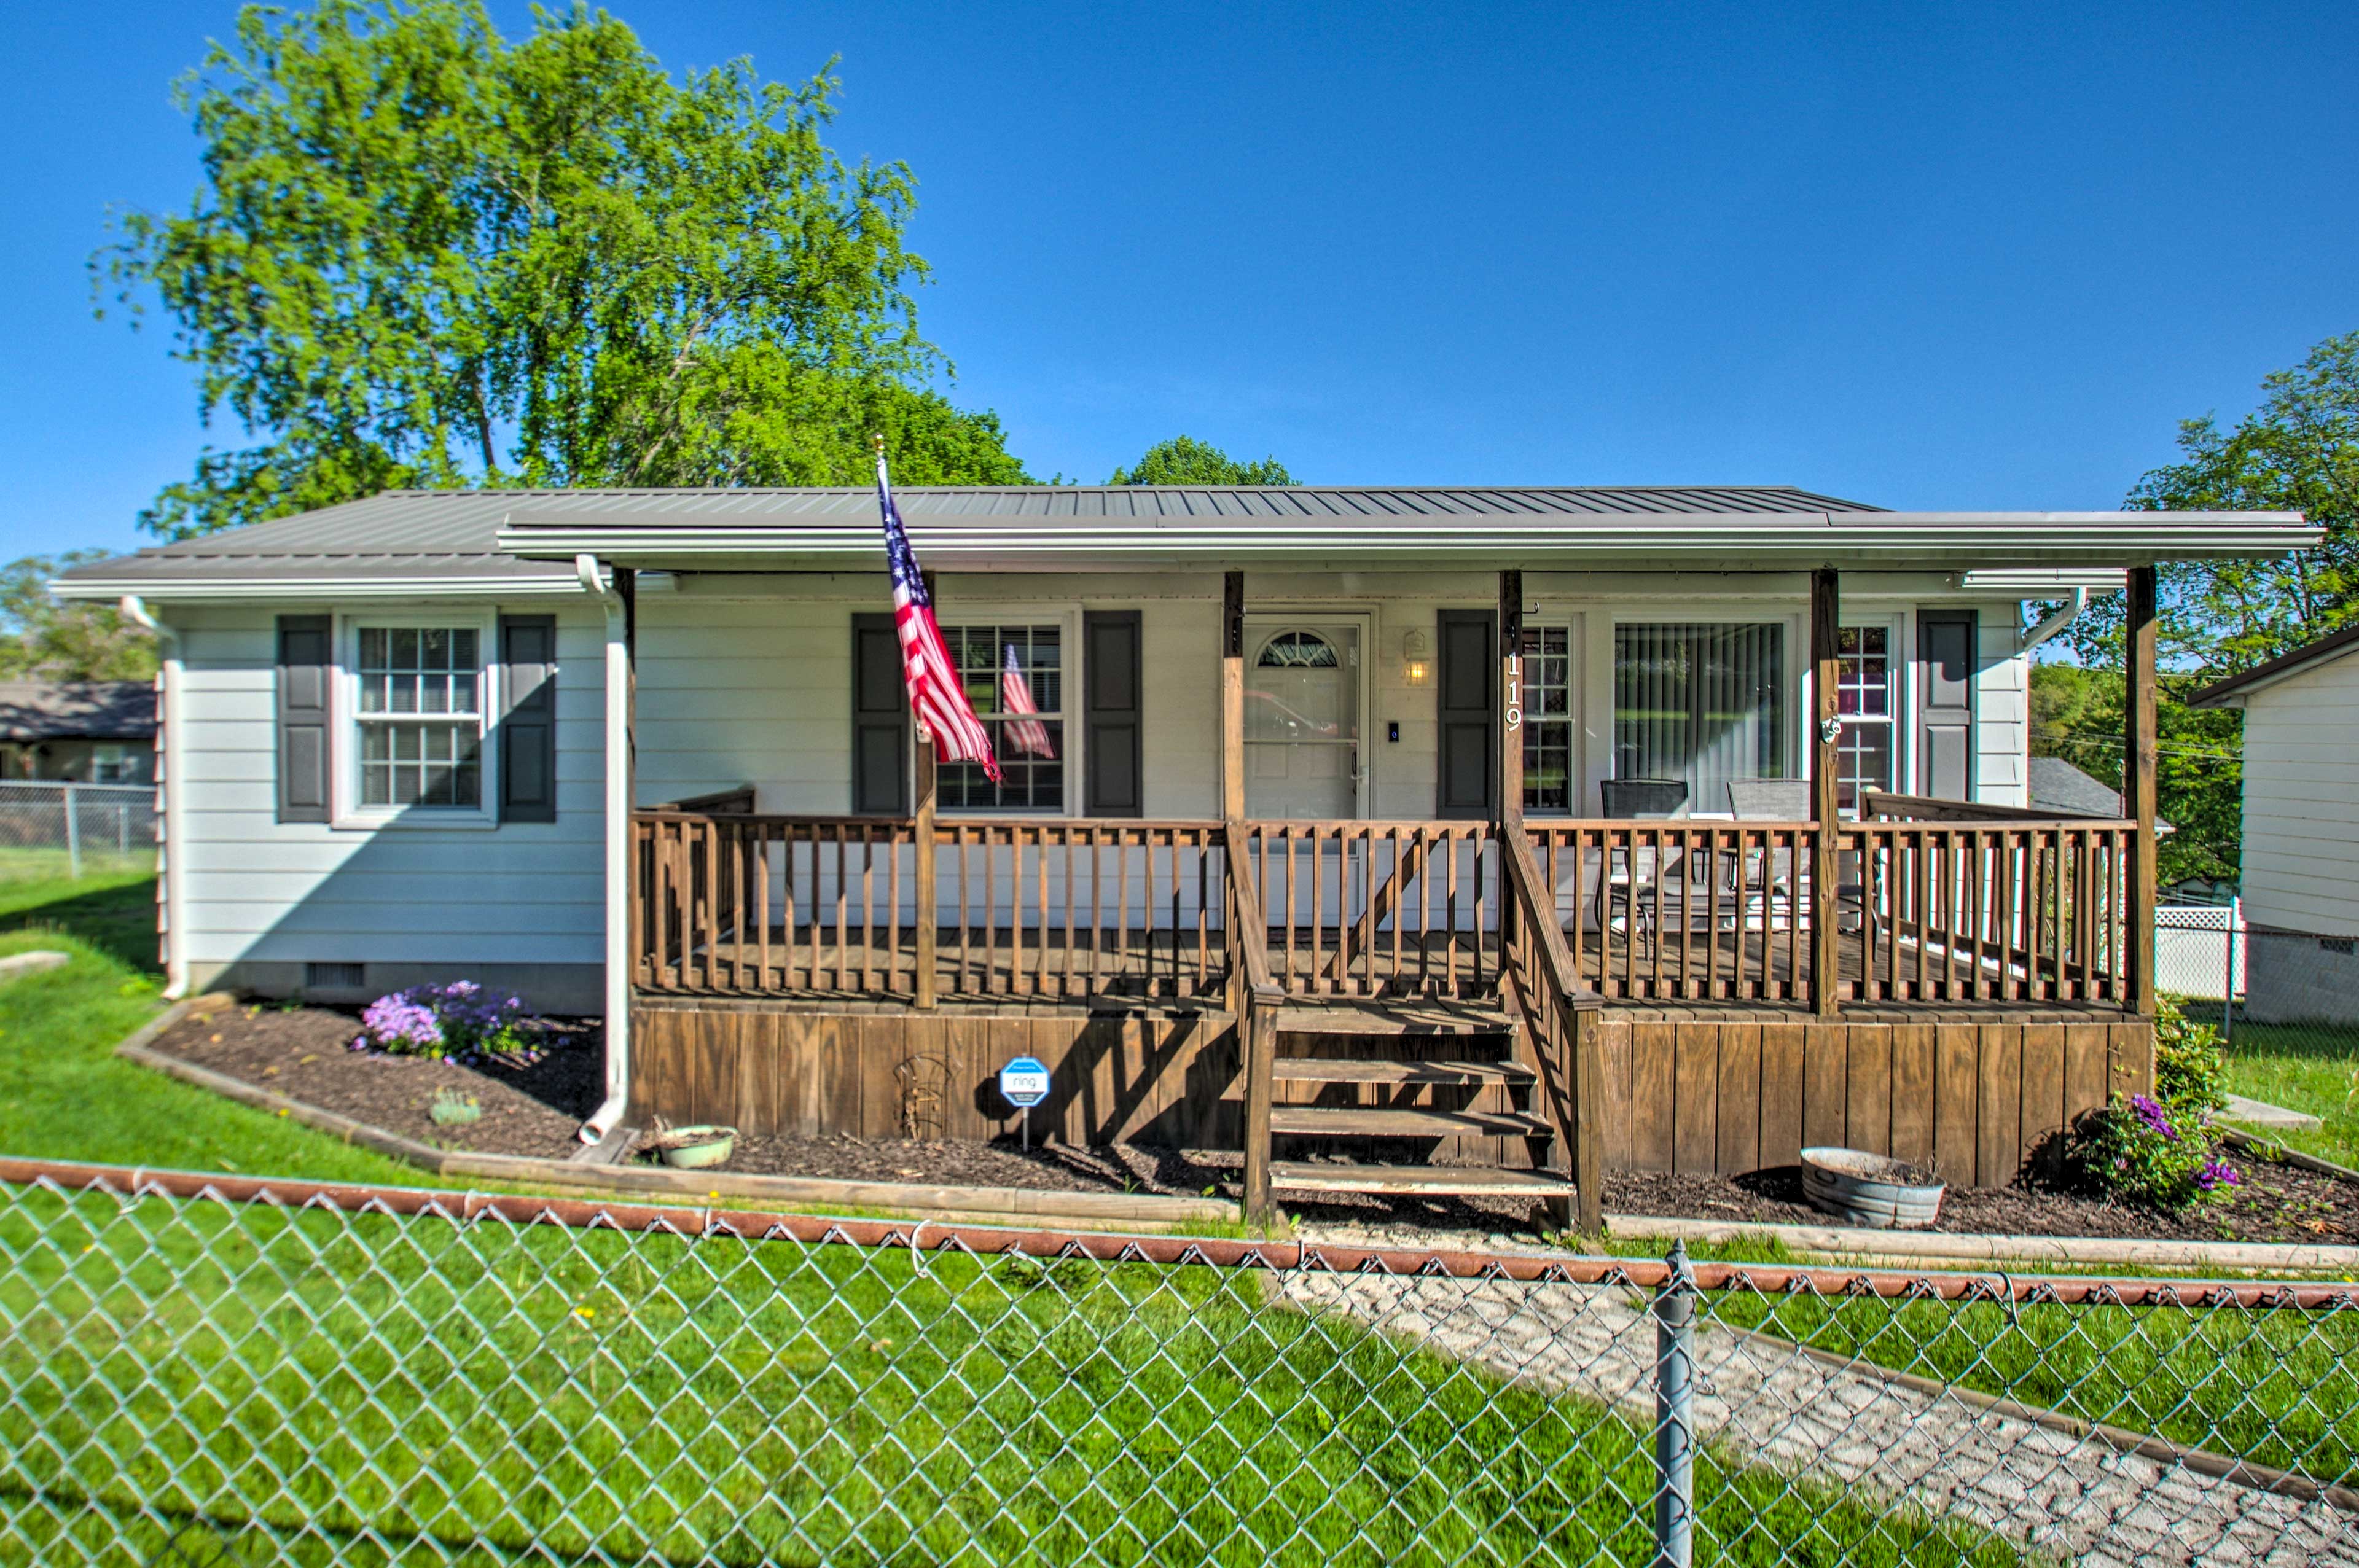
(1388, 1121)
(1416, 1181)
(1359, 1070)
(1368, 1017)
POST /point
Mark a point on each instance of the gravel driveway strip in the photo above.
(2062, 1497)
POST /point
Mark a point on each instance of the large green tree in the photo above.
(427, 254)
(42, 638)
(1183, 459)
(2297, 451)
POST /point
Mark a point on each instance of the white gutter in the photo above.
(162, 589)
(167, 782)
(618, 853)
(2056, 622)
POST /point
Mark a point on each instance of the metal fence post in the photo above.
(1675, 1426)
(73, 833)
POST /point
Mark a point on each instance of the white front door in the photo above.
(1303, 679)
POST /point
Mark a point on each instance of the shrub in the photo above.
(2160, 1150)
(460, 1020)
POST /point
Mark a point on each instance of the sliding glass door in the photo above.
(1702, 703)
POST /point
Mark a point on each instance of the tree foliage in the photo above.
(2299, 452)
(1183, 459)
(44, 639)
(2076, 714)
(425, 254)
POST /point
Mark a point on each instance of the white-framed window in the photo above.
(1015, 674)
(1866, 700)
(416, 701)
(110, 763)
(1548, 782)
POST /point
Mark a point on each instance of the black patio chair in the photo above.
(1629, 879)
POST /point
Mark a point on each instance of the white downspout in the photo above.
(172, 862)
(618, 854)
(2056, 622)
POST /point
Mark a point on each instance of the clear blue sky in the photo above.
(1924, 256)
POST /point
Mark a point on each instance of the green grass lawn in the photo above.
(2279, 1388)
(2311, 1067)
(64, 1095)
(415, 1390)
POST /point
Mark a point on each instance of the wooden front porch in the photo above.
(1260, 979)
(2004, 912)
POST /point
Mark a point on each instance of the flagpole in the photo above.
(927, 912)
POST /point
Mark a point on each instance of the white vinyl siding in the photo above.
(262, 890)
(2302, 801)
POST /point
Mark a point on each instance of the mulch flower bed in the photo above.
(2271, 1203)
(530, 1106)
(536, 1107)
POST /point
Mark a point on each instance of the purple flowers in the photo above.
(2157, 1119)
(458, 1022)
(2215, 1174)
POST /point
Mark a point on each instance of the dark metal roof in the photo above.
(2326, 647)
(437, 534)
(77, 710)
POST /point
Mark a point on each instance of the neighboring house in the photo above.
(647, 752)
(2300, 880)
(2056, 785)
(88, 731)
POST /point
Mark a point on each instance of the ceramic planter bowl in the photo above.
(702, 1147)
(1870, 1190)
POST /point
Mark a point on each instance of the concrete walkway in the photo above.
(1758, 1404)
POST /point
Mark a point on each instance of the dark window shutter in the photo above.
(880, 720)
(1945, 703)
(305, 661)
(1110, 709)
(529, 728)
(1466, 742)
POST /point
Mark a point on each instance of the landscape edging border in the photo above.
(1919, 1246)
(1020, 1204)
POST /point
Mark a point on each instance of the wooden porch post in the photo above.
(1232, 697)
(1509, 811)
(1825, 756)
(2137, 785)
(927, 911)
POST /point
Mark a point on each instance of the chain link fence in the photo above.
(52, 828)
(216, 1371)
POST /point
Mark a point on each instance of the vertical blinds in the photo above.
(1701, 703)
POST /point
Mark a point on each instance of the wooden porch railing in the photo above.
(1992, 903)
(1255, 998)
(754, 905)
(1368, 909)
(1559, 1019)
(2004, 907)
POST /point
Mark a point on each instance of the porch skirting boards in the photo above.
(1708, 1093)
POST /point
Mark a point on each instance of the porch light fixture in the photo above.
(1417, 658)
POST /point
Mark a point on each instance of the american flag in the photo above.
(936, 695)
(1028, 735)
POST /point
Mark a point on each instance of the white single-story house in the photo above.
(647, 753)
(2300, 839)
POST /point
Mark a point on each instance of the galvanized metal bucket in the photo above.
(1870, 1190)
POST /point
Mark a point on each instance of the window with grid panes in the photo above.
(1014, 678)
(1548, 718)
(420, 716)
(1863, 700)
